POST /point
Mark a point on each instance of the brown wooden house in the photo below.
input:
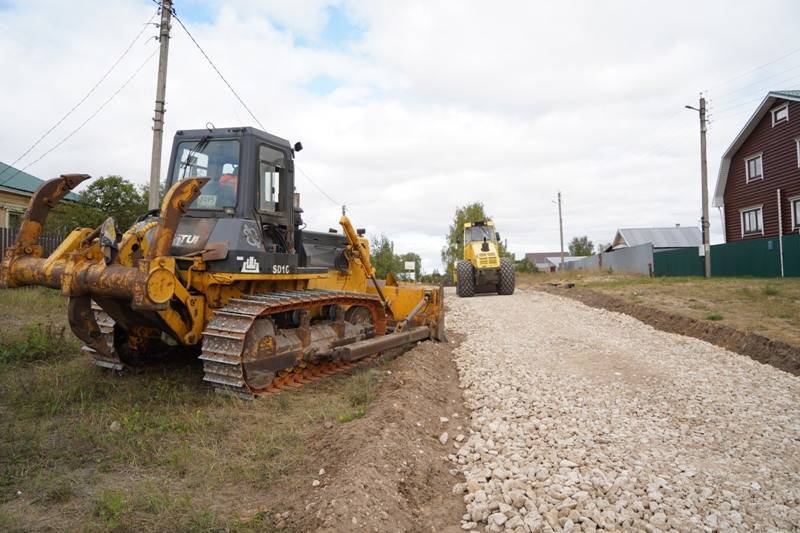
(758, 187)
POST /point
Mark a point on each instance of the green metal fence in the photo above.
(755, 257)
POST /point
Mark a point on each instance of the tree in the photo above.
(411, 256)
(104, 197)
(579, 246)
(383, 257)
(433, 278)
(523, 265)
(454, 246)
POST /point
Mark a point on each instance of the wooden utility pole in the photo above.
(561, 230)
(705, 223)
(161, 89)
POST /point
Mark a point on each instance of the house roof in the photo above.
(766, 104)
(556, 260)
(15, 180)
(672, 237)
(540, 257)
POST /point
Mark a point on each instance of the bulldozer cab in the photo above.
(250, 172)
(247, 204)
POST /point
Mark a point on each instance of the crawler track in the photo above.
(226, 334)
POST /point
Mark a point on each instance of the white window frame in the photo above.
(760, 218)
(795, 222)
(747, 160)
(775, 111)
(797, 146)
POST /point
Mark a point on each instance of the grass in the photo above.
(179, 457)
(766, 306)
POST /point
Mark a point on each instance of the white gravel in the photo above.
(585, 419)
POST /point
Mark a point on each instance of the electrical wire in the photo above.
(200, 48)
(82, 100)
(241, 101)
(88, 119)
(722, 84)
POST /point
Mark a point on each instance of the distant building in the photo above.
(758, 186)
(661, 238)
(16, 189)
(539, 260)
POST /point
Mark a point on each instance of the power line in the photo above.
(96, 112)
(241, 101)
(326, 195)
(82, 100)
(200, 48)
(756, 68)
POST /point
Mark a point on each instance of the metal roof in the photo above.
(540, 257)
(672, 237)
(567, 258)
(763, 108)
(15, 180)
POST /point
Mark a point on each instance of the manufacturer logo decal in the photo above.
(185, 238)
(251, 236)
(251, 266)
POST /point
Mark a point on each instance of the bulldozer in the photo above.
(226, 270)
(482, 269)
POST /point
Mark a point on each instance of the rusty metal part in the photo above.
(27, 244)
(245, 350)
(84, 326)
(109, 359)
(175, 204)
(359, 350)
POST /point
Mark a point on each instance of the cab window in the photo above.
(216, 160)
(270, 172)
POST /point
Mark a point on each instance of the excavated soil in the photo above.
(388, 471)
(779, 354)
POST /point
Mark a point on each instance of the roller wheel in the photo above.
(465, 286)
(506, 284)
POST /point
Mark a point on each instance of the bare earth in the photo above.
(585, 419)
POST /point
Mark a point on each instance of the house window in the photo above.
(795, 203)
(754, 168)
(752, 221)
(780, 114)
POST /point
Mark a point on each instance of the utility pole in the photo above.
(561, 230)
(161, 89)
(706, 226)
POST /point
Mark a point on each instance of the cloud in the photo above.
(410, 109)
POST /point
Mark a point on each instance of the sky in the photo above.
(407, 110)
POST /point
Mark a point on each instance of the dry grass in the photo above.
(766, 306)
(182, 457)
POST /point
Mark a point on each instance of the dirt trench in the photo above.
(388, 471)
(779, 354)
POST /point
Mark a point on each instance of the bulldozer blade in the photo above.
(361, 349)
(84, 326)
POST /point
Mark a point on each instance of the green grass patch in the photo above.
(770, 290)
(35, 343)
(714, 316)
(352, 415)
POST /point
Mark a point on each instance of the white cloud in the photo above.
(438, 104)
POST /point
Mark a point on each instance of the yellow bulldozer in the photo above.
(482, 269)
(226, 269)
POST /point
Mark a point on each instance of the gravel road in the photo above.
(585, 419)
